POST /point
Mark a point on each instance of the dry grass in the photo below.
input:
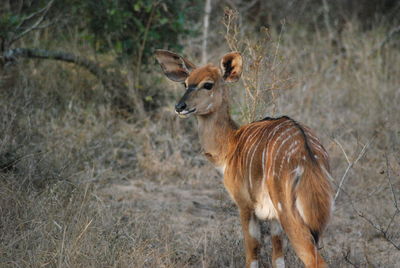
(80, 187)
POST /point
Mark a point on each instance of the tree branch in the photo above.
(111, 82)
(13, 54)
(206, 23)
(35, 25)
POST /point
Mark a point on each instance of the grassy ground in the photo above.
(81, 187)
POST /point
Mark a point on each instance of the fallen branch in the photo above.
(112, 82)
(12, 55)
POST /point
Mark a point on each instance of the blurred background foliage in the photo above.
(125, 27)
(128, 31)
(137, 27)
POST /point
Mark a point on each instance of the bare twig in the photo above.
(206, 22)
(60, 257)
(351, 164)
(383, 231)
(388, 175)
(273, 67)
(83, 231)
(230, 23)
(394, 31)
(143, 44)
(32, 15)
(265, 70)
(327, 20)
(36, 25)
(344, 152)
(346, 257)
(377, 227)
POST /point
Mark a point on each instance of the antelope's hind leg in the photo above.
(302, 242)
(252, 236)
(278, 260)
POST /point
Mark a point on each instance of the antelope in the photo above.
(274, 169)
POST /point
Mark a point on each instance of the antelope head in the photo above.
(204, 86)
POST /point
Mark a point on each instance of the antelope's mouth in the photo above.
(185, 113)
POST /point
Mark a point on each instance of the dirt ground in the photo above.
(197, 208)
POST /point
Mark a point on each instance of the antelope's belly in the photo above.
(264, 208)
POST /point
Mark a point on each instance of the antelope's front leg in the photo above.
(252, 236)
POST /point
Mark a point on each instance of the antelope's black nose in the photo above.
(180, 106)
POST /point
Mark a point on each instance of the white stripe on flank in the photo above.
(264, 160)
(291, 136)
(279, 148)
(249, 165)
(252, 157)
(291, 150)
(263, 165)
(275, 142)
(252, 135)
(300, 208)
(249, 139)
(293, 145)
(271, 135)
(280, 135)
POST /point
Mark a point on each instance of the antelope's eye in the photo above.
(208, 86)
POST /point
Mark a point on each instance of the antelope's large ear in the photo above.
(174, 66)
(231, 66)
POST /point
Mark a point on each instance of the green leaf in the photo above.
(137, 6)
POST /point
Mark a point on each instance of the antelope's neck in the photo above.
(217, 133)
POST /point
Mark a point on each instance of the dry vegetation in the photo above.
(83, 187)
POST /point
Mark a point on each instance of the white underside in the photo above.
(264, 208)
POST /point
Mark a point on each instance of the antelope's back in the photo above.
(274, 148)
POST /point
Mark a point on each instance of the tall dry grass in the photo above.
(82, 187)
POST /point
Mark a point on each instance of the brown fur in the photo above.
(276, 158)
